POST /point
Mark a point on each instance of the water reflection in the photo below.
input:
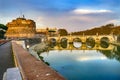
(90, 42)
(118, 48)
(117, 53)
(81, 46)
(76, 60)
(104, 42)
(78, 63)
(77, 43)
(52, 41)
(110, 51)
(52, 45)
(63, 43)
(111, 54)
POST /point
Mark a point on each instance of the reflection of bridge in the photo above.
(71, 38)
(82, 47)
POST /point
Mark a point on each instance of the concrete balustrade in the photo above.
(31, 68)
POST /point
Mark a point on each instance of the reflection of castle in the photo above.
(21, 28)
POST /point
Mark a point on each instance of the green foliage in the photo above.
(42, 59)
(107, 53)
(62, 32)
(2, 26)
(47, 63)
(118, 38)
(3, 29)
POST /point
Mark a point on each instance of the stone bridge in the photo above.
(83, 39)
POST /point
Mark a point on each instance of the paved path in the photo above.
(6, 60)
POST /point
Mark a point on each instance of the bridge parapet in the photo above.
(31, 68)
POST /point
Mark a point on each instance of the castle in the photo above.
(21, 28)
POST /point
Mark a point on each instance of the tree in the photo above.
(3, 26)
(62, 32)
(110, 25)
(102, 30)
(3, 29)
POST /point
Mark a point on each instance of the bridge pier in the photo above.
(70, 40)
(83, 39)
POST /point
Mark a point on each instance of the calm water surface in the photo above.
(85, 64)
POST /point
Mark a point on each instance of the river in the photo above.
(84, 62)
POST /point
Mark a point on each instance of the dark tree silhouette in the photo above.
(102, 30)
(3, 29)
(62, 32)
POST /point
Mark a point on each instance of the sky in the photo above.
(72, 15)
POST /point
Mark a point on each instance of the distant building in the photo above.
(41, 31)
(47, 31)
(21, 28)
(52, 32)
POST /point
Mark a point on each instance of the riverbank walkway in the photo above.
(31, 68)
(6, 58)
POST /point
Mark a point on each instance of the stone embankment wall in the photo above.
(32, 68)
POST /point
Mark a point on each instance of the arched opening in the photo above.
(77, 43)
(90, 42)
(63, 42)
(52, 42)
(104, 42)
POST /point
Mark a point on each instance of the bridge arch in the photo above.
(77, 39)
(52, 40)
(106, 39)
(63, 40)
(90, 42)
(104, 42)
(84, 39)
(77, 42)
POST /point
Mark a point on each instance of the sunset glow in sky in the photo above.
(73, 15)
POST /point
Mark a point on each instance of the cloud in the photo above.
(80, 14)
(91, 11)
(69, 20)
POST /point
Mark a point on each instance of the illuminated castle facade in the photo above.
(21, 28)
